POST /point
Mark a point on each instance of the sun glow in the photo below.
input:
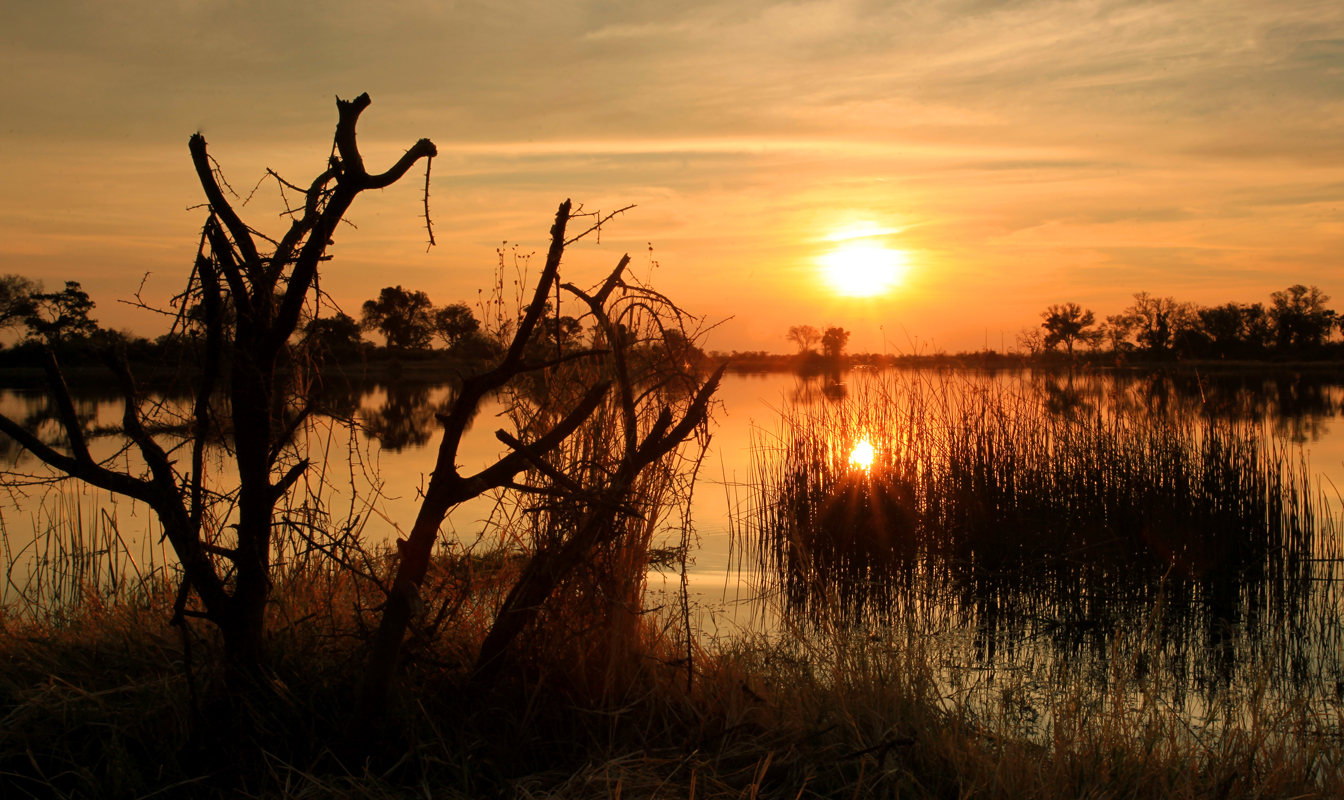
(863, 269)
(862, 455)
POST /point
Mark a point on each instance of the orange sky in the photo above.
(1021, 153)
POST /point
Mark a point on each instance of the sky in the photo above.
(1006, 155)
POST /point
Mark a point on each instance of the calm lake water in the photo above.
(981, 615)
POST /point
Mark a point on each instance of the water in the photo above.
(1101, 531)
(1035, 614)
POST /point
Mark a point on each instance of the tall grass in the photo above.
(1059, 531)
(77, 554)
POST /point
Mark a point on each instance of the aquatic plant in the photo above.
(990, 507)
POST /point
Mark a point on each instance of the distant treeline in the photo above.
(414, 328)
(1295, 325)
(1296, 322)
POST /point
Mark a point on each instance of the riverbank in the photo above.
(382, 365)
(106, 700)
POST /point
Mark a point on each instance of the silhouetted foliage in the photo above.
(454, 323)
(406, 318)
(1301, 320)
(60, 316)
(1230, 330)
(1149, 324)
(833, 342)
(677, 346)
(338, 336)
(1066, 324)
(16, 299)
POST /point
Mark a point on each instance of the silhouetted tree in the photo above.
(222, 534)
(1066, 324)
(676, 345)
(60, 316)
(1151, 321)
(1156, 338)
(453, 323)
(833, 342)
(338, 335)
(649, 427)
(1301, 319)
(478, 346)
(16, 299)
(1031, 339)
(406, 318)
(1231, 329)
(804, 336)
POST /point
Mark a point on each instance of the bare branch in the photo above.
(223, 252)
(429, 223)
(240, 233)
(549, 274)
(597, 226)
(421, 149)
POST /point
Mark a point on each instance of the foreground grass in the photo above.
(101, 703)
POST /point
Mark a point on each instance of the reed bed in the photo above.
(1065, 534)
(77, 554)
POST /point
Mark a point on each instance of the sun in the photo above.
(863, 269)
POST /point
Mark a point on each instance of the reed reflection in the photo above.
(1096, 520)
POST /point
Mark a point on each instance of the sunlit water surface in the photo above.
(371, 466)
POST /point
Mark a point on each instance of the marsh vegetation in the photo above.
(1037, 587)
(1051, 531)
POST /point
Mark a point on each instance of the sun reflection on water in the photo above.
(862, 455)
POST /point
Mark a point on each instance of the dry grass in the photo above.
(103, 707)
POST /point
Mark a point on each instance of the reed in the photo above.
(76, 555)
(989, 509)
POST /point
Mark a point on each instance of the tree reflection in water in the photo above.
(402, 413)
(1296, 405)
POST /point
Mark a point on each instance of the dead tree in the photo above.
(586, 570)
(265, 293)
(447, 487)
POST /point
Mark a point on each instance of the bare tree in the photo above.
(804, 336)
(1031, 339)
(643, 441)
(252, 302)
